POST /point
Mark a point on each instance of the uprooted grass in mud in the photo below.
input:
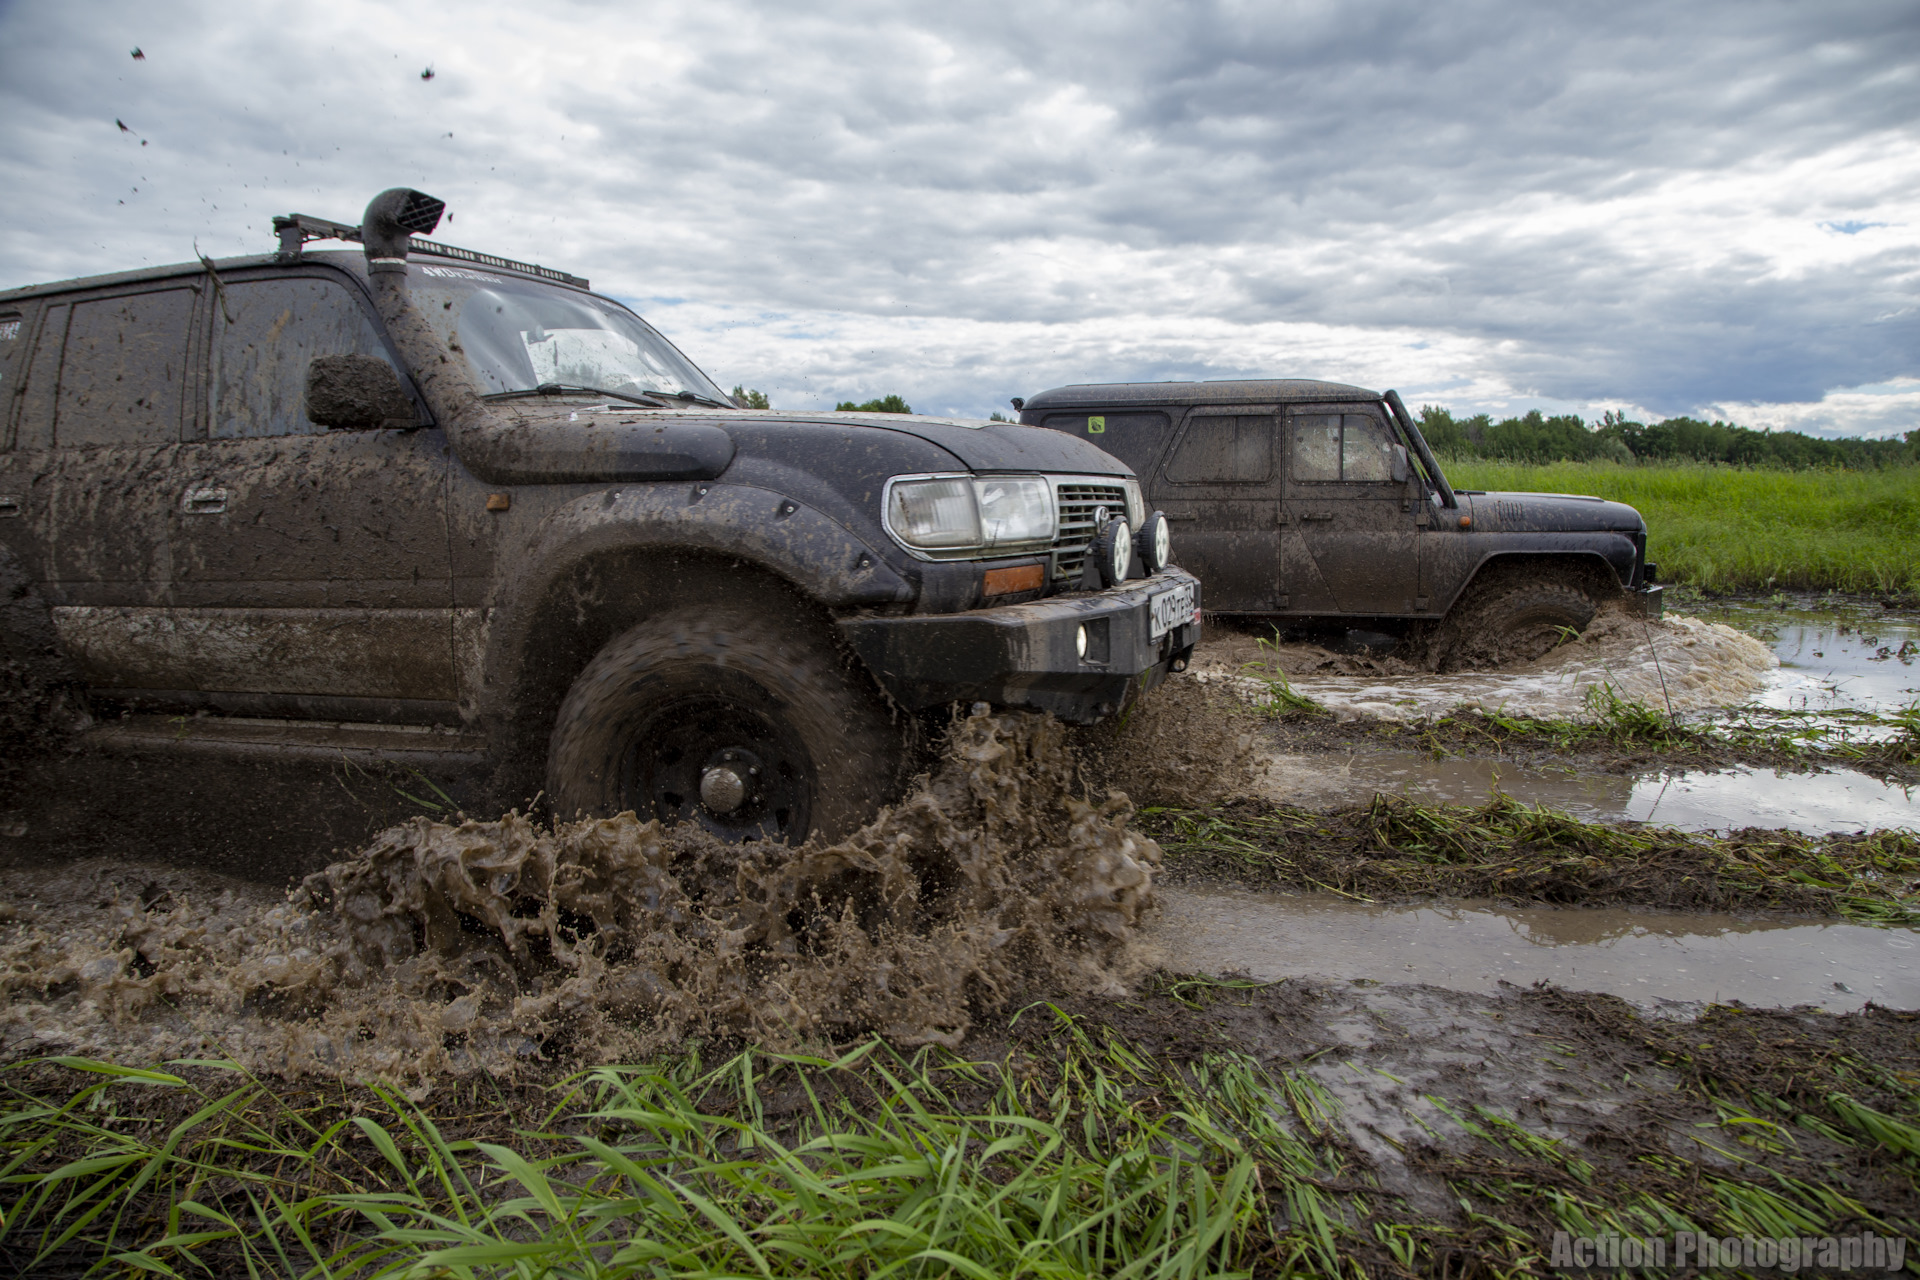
(1395, 849)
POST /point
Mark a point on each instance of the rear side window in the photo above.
(1341, 446)
(12, 338)
(123, 379)
(266, 332)
(1134, 438)
(1224, 449)
(34, 429)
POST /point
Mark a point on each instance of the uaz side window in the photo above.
(1341, 446)
(1224, 450)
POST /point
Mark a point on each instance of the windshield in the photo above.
(520, 334)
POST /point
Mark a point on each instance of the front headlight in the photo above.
(947, 515)
(939, 514)
(1136, 504)
(1015, 510)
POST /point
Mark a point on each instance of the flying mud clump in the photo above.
(455, 948)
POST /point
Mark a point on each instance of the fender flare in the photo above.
(818, 556)
(1534, 552)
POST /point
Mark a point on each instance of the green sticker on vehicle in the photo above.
(1096, 426)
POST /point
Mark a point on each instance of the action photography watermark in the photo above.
(1698, 1251)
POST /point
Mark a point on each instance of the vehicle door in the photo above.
(1220, 488)
(1350, 509)
(310, 564)
(107, 395)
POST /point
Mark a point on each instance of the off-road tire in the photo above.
(669, 695)
(1513, 619)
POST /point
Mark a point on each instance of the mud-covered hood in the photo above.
(1550, 513)
(544, 443)
(980, 446)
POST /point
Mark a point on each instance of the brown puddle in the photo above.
(1651, 958)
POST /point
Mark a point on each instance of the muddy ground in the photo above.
(136, 928)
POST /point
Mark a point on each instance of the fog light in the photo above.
(1080, 641)
(1154, 543)
(1113, 552)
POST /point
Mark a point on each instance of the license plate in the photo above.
(1170, 609)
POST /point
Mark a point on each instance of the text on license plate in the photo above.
(1170, 609)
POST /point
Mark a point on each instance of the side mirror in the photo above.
(357, 393)
(1402, 466)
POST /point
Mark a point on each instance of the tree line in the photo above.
(1536, 437)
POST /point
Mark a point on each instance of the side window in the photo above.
(1218, 449)
(1341, 446)
(35, 427)
(123, 378)
(1134, 438)
(12, 338)
(266, 332)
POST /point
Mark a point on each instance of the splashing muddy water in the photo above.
(445, 948)
(1675, 661)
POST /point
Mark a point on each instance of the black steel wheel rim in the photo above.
(679, 740)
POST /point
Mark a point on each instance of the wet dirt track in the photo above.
(443, 952)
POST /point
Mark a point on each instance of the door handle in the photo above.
(207, 501)
(1316, 515)
(9, 507)
(1171, 517)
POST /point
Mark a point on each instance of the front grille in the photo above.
(1078, 502)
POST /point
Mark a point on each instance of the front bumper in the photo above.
(1027, 655)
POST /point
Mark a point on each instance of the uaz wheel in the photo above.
(753, 727)
(1515, 621)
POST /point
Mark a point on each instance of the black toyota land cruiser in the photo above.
(1319, 506)
(420, 502)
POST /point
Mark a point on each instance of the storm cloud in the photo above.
(1708, 208)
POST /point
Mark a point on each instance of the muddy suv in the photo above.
(1319, 505)
(424, 503)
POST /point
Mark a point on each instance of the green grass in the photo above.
(1732, 529)
(1077, 1154)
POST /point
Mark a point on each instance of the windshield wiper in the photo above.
(567, 389)
(697, 398)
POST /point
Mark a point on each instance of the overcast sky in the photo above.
(1705, 208)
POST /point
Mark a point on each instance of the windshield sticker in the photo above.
(1096, 426)
(9, 330)
(458, 273)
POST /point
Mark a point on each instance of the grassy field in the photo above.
(1729, 529)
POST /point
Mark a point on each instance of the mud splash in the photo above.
(453, 949)
(1677, 661)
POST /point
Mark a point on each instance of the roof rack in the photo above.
(295, 229)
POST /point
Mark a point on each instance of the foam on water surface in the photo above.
(1679, 662)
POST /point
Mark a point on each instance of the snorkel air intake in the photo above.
(392, 217)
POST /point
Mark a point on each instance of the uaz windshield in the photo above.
(518, 335)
